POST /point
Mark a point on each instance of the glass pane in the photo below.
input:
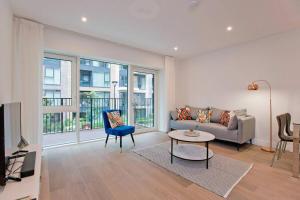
(57, 83)
(98, 79)
(143, 100)
(94, 73)
(59, 128)
(98, 95)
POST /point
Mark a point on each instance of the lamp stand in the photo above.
(267, 149)
(270, 148)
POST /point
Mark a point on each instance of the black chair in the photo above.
(284, 133)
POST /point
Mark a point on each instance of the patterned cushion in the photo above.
(195, 111)
(233, 121)
(115, 119)
(184, 113)
(225, 117)
(204, 116)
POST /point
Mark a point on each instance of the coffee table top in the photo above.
(203, 137)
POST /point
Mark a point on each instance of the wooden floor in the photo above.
(89, 171)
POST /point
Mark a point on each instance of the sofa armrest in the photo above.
(246, 128)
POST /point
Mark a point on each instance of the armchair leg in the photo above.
(121, 143)
(132, 139)
(106, 139)
(116, 139)
(238, 147)
(250, 141)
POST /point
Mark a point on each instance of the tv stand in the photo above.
(29, 186)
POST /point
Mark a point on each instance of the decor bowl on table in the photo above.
(191, 133)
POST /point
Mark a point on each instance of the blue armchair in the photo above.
(118, 131)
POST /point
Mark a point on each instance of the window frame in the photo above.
(52, 90)
(53, 77)
(73, 106)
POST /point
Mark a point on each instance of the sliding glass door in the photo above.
(144, 99)
(103, 86)
(59, 100)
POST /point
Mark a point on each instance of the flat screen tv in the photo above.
(10, 133)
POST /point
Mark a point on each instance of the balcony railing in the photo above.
(144, 113)
(91, 113)
(57, 101)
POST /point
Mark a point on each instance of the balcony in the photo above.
(90, 116)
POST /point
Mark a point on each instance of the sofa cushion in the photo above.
(233, 121)
(219, 131)
(204, 116)
(121, 130)
(194, 111)
(174, 115)
(225, 118)
(184, 124)
(216, 115)
(184, 113)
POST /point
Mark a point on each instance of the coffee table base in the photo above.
(191, 152)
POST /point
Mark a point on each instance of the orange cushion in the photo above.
(184, 113)
(225, 117)
(115, 119)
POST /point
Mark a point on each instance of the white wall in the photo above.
(166, 92)
(68, 42)
(6, 21)
(220, 79)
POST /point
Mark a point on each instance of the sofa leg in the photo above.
(116, 139)
(251, 141)
(238, 147)
(106, 139)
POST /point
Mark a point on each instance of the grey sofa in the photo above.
(245, 130)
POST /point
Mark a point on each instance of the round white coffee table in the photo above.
(191, 151)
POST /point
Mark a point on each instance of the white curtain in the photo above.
(26, 76)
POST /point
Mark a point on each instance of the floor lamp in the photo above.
(254, 86)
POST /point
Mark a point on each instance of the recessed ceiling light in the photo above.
(83, 19)
(194, 3)
(175, 48)
(229, 28)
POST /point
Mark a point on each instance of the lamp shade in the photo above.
(252, 86)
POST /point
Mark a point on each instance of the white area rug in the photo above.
(221, 177)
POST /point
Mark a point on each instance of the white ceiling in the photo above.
(194, 26)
